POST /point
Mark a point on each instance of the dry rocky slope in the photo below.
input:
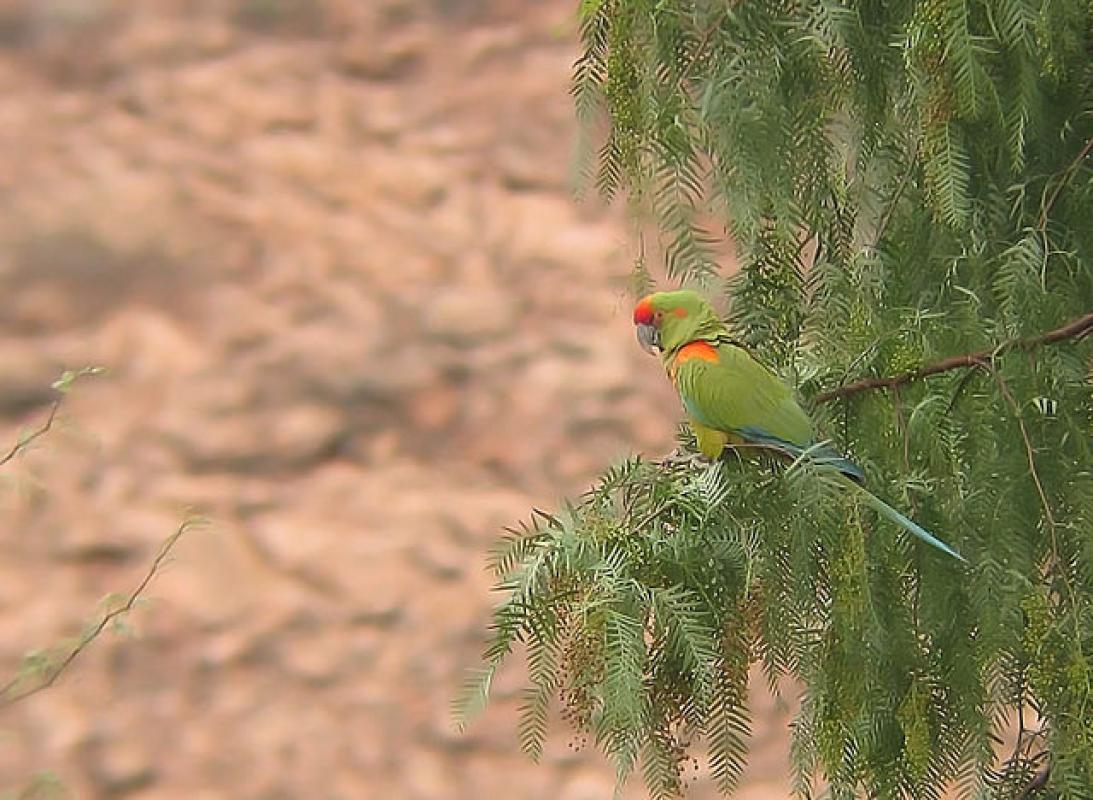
(329, 254)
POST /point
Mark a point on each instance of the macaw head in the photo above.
(666, 321)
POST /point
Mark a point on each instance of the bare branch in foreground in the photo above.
(10, 692)
(63, 385)
(23, 441)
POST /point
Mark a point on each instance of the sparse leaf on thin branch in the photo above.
(41, 669)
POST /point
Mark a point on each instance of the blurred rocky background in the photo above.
(329, 253)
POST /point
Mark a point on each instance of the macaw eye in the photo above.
(658, 316)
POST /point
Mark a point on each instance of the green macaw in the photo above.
(730, 398)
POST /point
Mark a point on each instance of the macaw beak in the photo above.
(649, 338)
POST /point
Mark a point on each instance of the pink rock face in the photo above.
(350, 311)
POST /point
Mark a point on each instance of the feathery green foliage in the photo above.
(905, 182)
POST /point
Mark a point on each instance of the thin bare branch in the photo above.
(9, 695)
(63, 386)
(1063, 181)
(1029, 454)
(24, 441)
(1039, 781)
(890, 211)
(983, 358)
(1034, 473)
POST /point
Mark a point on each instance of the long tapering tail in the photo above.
(828, 461)
(907, 524)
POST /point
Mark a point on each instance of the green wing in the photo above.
(736, 394)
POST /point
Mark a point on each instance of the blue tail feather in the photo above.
(823, 455)
(911, 526)
(841, 463)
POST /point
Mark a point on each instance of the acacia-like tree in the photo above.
(908, 186)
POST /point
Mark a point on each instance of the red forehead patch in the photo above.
(643, 311)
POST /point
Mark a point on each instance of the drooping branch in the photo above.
(1073, 330)
(1039, 781)
(1063, 180)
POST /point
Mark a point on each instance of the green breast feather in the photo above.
(736, 393)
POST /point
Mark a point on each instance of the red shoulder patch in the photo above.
(700, 350)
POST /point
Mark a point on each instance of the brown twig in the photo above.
(700, 49)
(882, 226)
(1029, 454)
(904, 430)
(1035, 475)
(1021, 748)
(7, 697)
(1072, 330)
(1067, 173)
(1039, 781)
(63, 385)
(1021, 743)
(23, 441)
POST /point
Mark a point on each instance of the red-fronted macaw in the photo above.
(730, 398)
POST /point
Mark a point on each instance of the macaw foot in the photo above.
(684, 458)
